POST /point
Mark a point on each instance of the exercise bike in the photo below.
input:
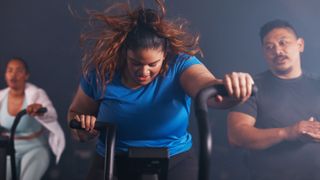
(142, 163)
(7, 146)
(160, 172)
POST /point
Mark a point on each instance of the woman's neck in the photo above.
(125, 79)
(16, 93)
(15, 101)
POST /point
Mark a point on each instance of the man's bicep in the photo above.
(240, 119)
(240, 126)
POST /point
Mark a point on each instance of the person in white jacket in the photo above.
(32, 150)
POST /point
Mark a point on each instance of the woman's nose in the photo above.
(144, 70)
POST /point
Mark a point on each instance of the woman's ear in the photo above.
(27, 76)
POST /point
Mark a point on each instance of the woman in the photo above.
(140, 72)
(32, 155)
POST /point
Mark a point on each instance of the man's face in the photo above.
(282, 50)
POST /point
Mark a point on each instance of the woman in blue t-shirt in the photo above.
(140, 73)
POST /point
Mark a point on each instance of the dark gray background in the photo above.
(46, 34)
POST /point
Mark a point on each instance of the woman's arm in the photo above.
(83, 109)
(38, 100)
(238, 85)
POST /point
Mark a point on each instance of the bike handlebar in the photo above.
(74, 124)
(18, 118)
(204, 129)
(11, 139)
(201, 109)
(109, 142)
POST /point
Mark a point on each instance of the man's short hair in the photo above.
(278, 23)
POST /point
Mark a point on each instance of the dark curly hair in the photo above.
(112, 34)
(22, 61)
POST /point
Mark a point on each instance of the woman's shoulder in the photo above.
(32, 90)
(3, 92)
(32, 87)
(183, 58)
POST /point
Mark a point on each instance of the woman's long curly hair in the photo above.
(105, 46)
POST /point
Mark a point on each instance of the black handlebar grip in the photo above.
(42, 110)
(74, 124)
(222, 91)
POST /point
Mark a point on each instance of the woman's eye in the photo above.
(135, 63)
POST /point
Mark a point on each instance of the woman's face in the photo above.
(16, 74)
(143, 66)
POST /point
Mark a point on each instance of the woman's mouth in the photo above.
(142, 78)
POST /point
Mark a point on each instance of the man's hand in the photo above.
(304, 130)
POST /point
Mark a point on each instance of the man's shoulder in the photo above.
(311, 76)
(262, 76)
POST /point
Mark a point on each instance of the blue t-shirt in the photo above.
(155, 115)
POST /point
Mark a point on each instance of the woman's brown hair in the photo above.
(106, 45)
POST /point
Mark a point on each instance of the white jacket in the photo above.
(49, 120)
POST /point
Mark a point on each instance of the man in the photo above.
(280, 124)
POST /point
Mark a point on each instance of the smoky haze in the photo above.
(46, 34)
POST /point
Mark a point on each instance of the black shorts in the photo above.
(181, 166)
